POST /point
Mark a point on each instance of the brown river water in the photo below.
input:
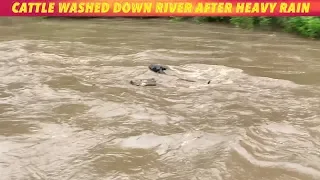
(67, 110)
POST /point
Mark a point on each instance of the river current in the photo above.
(68, 111)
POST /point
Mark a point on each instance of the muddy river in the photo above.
(68, 111)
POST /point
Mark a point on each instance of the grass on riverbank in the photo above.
(303, 26)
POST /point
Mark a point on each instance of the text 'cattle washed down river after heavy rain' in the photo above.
(68, 110)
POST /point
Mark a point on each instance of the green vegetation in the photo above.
(304, 26)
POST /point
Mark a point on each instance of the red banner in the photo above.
(160, 8)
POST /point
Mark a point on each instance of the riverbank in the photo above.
(303, 26)
(308, 27)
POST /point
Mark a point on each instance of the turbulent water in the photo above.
(68, 111)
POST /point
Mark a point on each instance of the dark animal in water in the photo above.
(144, 82)
(157, 68)
(152, 82)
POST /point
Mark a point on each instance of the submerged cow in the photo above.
(144, 82)
(157, 68)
